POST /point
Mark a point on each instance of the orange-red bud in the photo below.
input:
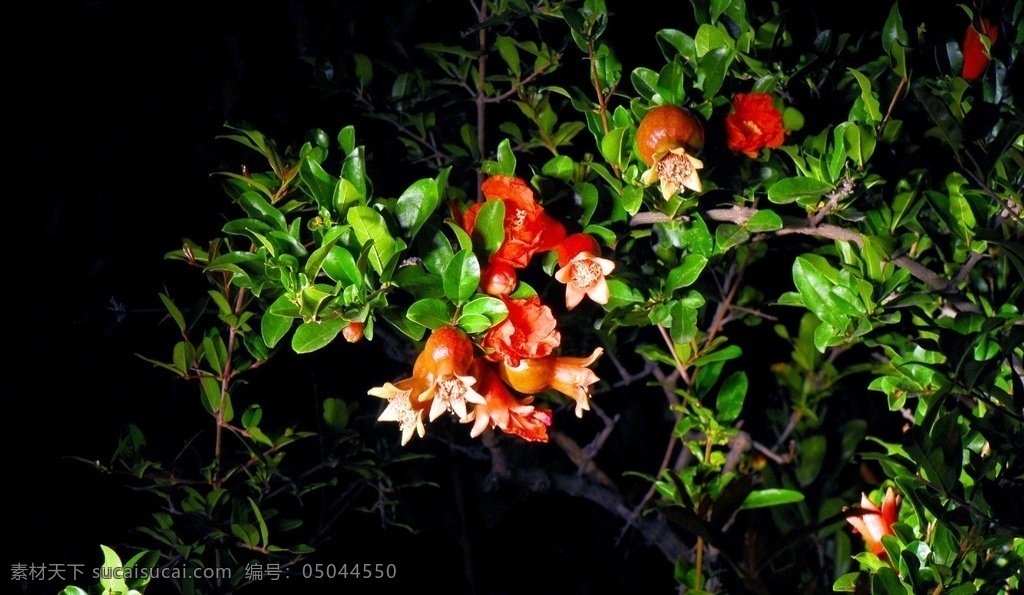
(353, 333)
(498, 278)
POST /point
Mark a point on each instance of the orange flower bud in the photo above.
(353, 333)
(498, 278)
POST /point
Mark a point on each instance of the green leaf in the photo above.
(959, 208)
(728, 235)
(321, 184)
(430, 312)
(771, 497)
(560, 167)
(506, 158)
(645, 81)
(174, 312)
(369, 227)
(492, 308)
(264, 533)
(811, 458)
(353, 170)
(684, 323)
(258, 208)
(885, 581)
(685, 273)
(416, 204)
(697, 237)
(340, 266)
(895, 41)
(788, 190)
(336, 413)
(867, 97)
(313, 335)
(763, 221)
(274, 327)
(211, 393)
(612, 147)
(462, 277)
(846, 583)
(731, 396)
(113, 579)
(473, 323)
(317, 258)
(632, 199)
(814, 279)
(670, 83)
(490, 225)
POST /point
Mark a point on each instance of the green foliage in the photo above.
(890, 219)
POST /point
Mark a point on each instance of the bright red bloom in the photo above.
(527, 332)
(755, 123)
(570, 376)
(504, 411)
(976, 57)
(876, 522)
(528, 229)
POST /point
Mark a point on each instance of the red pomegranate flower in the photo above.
(528, 229)
(976, 57)
(754, 124)
(527, 332)
(503, 410)
(876, 522)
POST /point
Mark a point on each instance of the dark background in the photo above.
(115, 107)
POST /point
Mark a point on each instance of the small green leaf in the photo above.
(336, 413)
(763, 221)
(492, 308)
(612, 146)
(728, 235)
(370, 228)
(846, 583)
(685, 273)
(771, 497)
(731, 396)
(313, 335)
(788, 190)
(174, 312)
(473, 323)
